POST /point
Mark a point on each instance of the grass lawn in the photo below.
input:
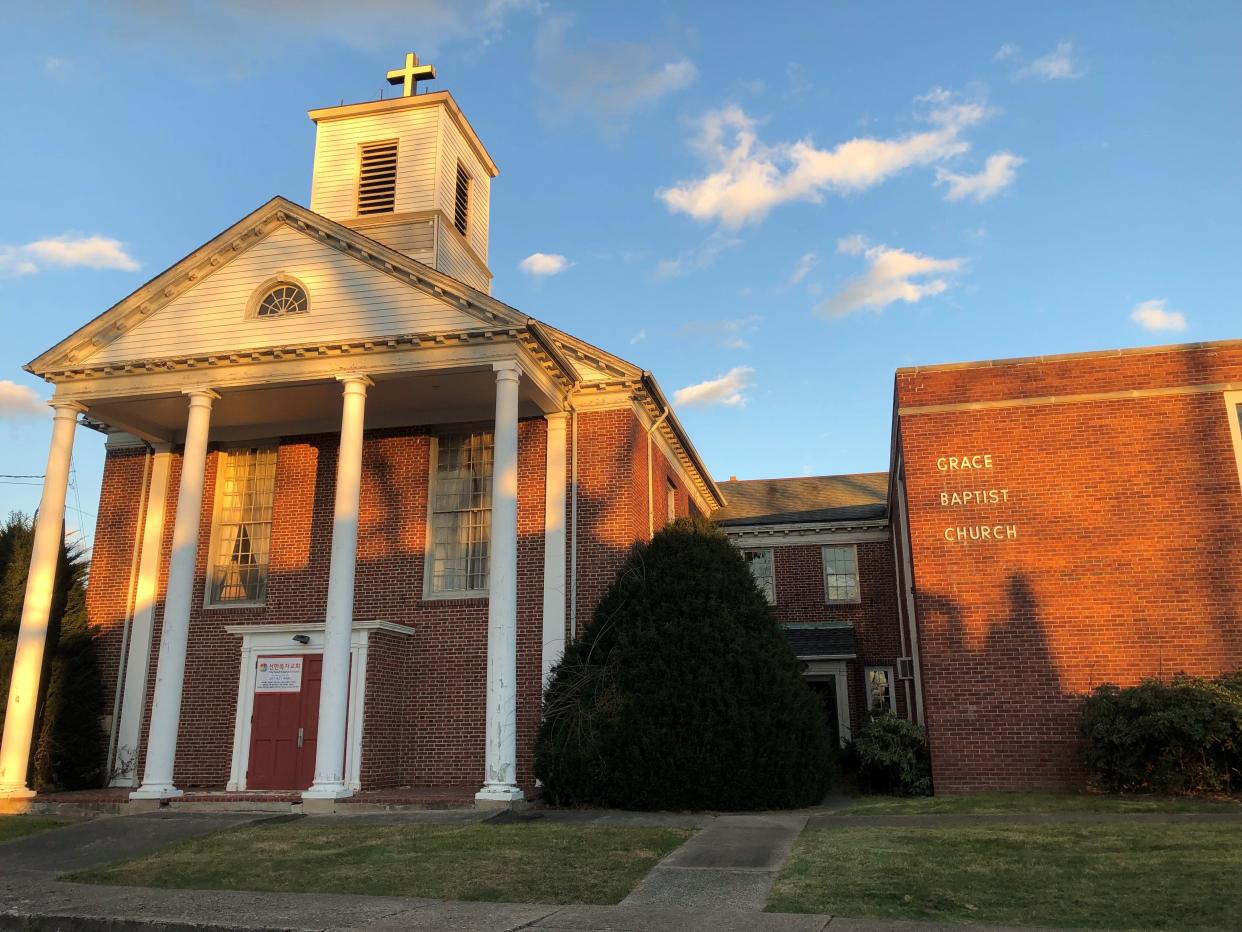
(19, 826)
(1114, 876)
(518, 863)
(1009, 803)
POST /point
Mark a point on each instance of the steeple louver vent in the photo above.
(461, 201)
(377, 179)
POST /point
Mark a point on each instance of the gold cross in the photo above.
(411, 74)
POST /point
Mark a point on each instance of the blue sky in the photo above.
(771, 208)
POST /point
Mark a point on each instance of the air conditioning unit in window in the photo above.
(905, 668)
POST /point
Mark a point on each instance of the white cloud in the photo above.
(802, 268)
(544, 264)
(605, 80)
(1154, 315)
(892, 275)
(19, 401)
(728, 334)
(1005, 52)
(639, 337)
(1057, 65)
(746, 177)
(700, 257)
(998, 173)
(726, 390)
(65, 251)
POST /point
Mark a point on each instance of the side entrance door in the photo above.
(285, 723)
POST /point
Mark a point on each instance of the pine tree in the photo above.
(682, 692)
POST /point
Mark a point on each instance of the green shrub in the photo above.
(890, 755)
(1183, 736)
(682, 692)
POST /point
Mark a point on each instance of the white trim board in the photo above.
(278, 639)
(821, 670)
(760, 536)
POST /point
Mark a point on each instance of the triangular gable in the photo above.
(591, 362)
(359, 289)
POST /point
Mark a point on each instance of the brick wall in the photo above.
(800, 598)
(431, 684)
(1126, 559)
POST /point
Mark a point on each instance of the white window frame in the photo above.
(1233, 406)
(821, 670)
(823, 568)
(214, 538)
(429, 594)
(670, 500)
(891, 674)
(771, 561)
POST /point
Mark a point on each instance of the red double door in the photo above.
(284, 729)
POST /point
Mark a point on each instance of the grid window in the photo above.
(841, 574)
(461, 200)
(670, 497)
(461, 513)
(880, 694)
(243, 531)
(761, 567)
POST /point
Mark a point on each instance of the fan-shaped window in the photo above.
(279, 297)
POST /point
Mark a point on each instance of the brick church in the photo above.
(354, 506)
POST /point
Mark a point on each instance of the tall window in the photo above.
(841, 574)
(761, 567)
(243, 530)
(461, 200)
(461, 513)
(880, 694)
(670, 500)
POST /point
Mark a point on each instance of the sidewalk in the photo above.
(32, 898)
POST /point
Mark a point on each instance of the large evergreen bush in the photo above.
(1182, 736)
(682, 692)
(70, 744)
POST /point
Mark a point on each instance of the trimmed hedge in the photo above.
(891, 755)
(1183, 736)
(682, 692)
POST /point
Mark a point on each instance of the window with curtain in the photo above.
(880, 694)
(243, 533)
(461, 513)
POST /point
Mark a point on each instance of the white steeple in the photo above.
(409, 172)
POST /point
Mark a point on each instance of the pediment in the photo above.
(358, 290)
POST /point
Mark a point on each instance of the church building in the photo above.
(353, 507)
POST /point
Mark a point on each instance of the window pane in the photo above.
(879, 689)
(761, 567)
(243, 526)
(461, 512)
(841, 574)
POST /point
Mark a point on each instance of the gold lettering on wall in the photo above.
(967, 464)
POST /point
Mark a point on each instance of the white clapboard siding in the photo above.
(414, 238)
(455, 260)
(455, 148)
(334, 188)
(349, 300)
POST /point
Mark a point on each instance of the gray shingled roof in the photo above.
(821, 639)
(861, 496)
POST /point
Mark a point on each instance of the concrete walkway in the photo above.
(731, 863)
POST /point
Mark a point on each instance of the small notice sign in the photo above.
(278, 675)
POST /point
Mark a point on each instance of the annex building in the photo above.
(354, 506)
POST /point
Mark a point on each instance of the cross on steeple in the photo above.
(411, 74)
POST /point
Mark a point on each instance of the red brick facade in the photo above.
(1119, 521)
(424, 706)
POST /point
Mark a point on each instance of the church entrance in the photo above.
(829, 680)
(826, 692)
(285, 724)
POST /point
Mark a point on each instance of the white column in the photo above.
(329, 780)
(157, 778)
(32, 635)
(554, 545)
(501, 753)
(138, 658)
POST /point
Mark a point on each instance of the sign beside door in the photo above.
(278, 675)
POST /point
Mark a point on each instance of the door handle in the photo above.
(300, 736)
